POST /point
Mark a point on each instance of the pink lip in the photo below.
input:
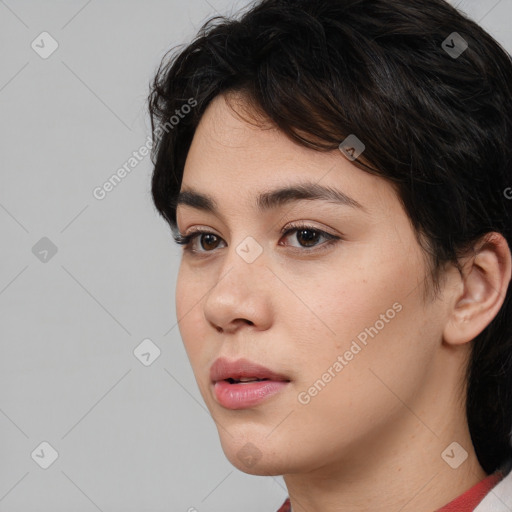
(244, 395)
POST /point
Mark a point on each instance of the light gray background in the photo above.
(129, 437)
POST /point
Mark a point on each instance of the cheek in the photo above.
(370, 312)
(355, 289)
(380, 323)
(189, 313)
(183, 296)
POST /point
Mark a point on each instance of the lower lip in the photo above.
(243, 396)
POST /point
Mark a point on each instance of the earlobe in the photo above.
(485, 278)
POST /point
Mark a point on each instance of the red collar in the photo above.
(466, 502)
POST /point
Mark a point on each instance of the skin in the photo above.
(372, 438)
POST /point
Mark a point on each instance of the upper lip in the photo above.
(223, 369)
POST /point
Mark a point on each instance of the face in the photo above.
(333, 311)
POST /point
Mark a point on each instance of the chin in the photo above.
(255, 455)
(254, 464)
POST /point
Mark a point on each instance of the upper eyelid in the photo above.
(194, 233)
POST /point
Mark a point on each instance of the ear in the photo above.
(481, 290)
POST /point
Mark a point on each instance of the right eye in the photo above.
(187, 240)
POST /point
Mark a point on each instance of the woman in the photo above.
(338, 173)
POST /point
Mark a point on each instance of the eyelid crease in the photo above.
(288, 227)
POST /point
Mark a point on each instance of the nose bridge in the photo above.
(237, 293)
(249, 250)
(244, 260)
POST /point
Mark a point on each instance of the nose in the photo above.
(242, 295)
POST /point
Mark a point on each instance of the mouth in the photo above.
(244, 380)
(243, 384)
(242, 371)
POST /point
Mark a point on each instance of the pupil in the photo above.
(209, 236)
(308, 238)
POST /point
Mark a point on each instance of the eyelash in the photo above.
(186, 240)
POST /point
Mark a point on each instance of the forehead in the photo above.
(234, 157)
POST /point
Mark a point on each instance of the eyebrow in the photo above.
(274, 198)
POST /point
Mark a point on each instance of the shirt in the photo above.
(466, 502)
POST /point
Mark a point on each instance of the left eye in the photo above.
(308, 234)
